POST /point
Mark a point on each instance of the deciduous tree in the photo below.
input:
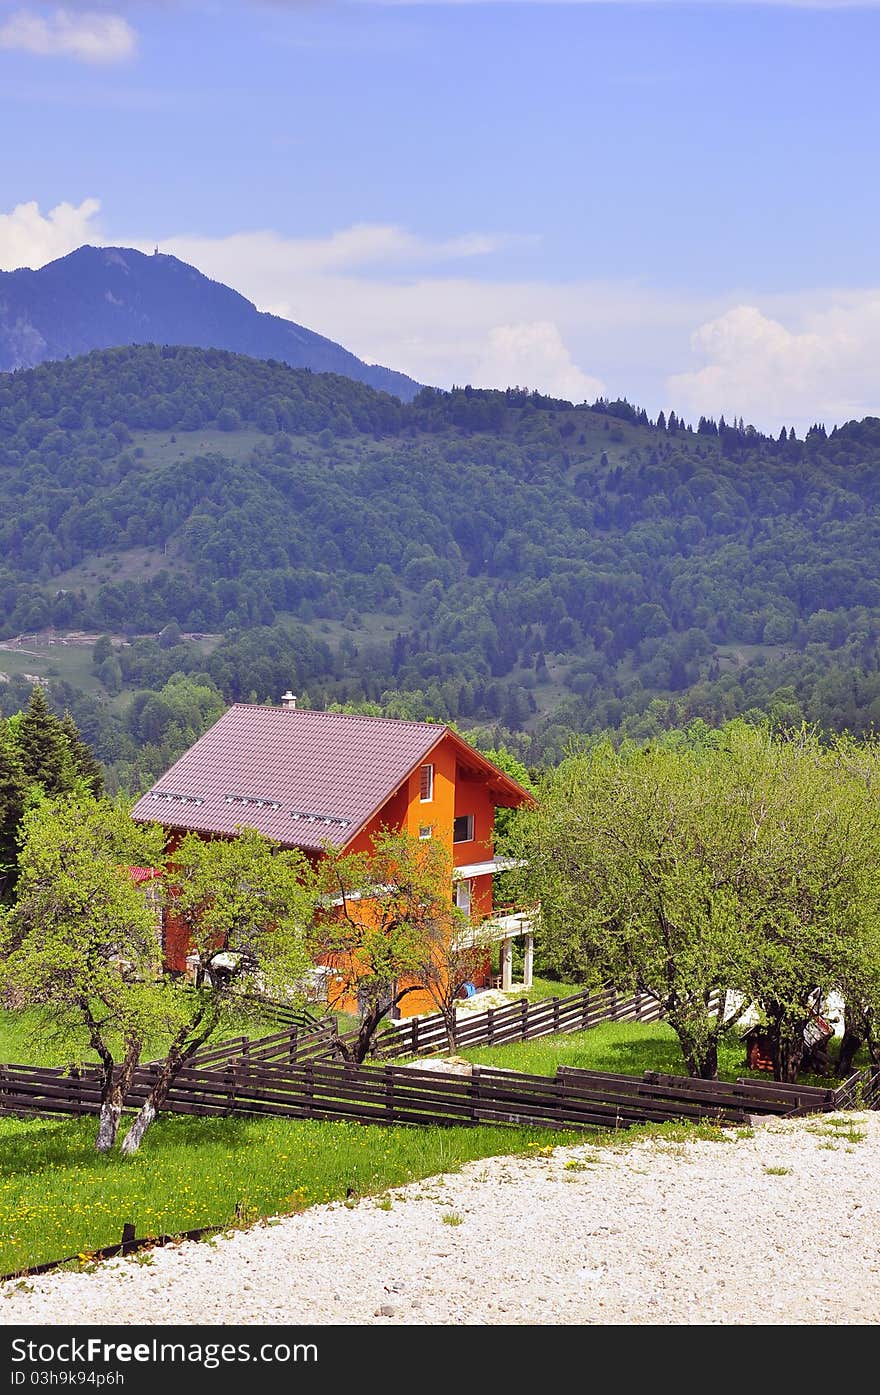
(245, 905)
(386, 915)
(82, 944)
(746, 861)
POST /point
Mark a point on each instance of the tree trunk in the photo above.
(168, 1072)
(449, 1024)
(787, 1047)
(849, 1046)
(369, 1026)
(858, 1031)
(113, 1098)
(106, 1127)
(701, 1058)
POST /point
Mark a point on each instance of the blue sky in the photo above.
(672, 202)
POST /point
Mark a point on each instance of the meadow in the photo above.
(60, 1199)
(622, 1048)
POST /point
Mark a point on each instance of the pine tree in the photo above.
(42, 746)
(13, 788)
(85, 762)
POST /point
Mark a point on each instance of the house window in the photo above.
(426, 784)
(426, 830)
(463, 896)
(463, 829)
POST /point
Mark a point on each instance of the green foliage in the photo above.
(388, 926)
(41, 756)
(43, 748)
(748, 863)
(499, 559)
(13, 793)
(245, 905)
(81, 942)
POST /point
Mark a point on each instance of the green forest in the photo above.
(531, 570)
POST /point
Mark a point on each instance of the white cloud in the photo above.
(824, 367)
(534, 355)
(426, 308)
(27, 238)
(87, 35)
(363, 244)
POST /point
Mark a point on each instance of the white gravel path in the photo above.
(650, 1232)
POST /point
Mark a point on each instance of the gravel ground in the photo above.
(781, 1227)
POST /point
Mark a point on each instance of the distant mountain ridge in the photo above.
(104, 297)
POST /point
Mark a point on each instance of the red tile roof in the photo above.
(303, 778)
(144, 874)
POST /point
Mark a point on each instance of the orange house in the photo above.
(308, 779)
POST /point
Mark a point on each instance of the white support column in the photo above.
(506, 964)
(528, 960)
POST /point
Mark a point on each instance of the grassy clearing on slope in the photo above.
(58, 1198)
(71, 662)
(543, 988)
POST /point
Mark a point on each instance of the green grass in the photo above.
(72, 662)
(26, 1039)
(623, 1048)
(58, 1198)
(548, 988)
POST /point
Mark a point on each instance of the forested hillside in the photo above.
(503, 560)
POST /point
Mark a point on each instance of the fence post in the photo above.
(389, 1095)
(475, 1094)
(524, 1014)
(292, 1044)
(556, 1014)
(490, 1026)
(585, 1010)
(128, 1234)
(415, 1036)
(309, 1090)
(229, 1073)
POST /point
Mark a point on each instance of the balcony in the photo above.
(505, 926)
(485, 869)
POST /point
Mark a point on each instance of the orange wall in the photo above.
(473, 797)
(454, 794)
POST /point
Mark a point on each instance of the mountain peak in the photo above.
(104, 297)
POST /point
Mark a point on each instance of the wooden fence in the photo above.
(424, 1036)
(293, 1044)
(570, 1099)
(518, 1021)
(297, 1073)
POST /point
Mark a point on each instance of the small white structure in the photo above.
(504, 929)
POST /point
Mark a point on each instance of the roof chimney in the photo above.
(288, 700)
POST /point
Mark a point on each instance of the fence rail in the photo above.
(297, 1073)
(569, 1100)
(518, 1021)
